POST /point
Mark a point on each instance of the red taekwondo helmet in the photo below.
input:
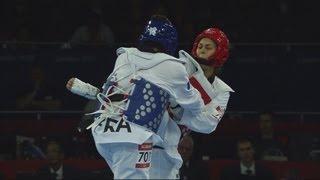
(222, 42)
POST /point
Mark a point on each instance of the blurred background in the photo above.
(273, 67)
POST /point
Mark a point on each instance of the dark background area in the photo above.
(274, 65)
(274, 53)
(243, 21)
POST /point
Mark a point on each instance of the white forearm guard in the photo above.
(84, 89)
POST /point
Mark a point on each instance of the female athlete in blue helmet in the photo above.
(133, 115)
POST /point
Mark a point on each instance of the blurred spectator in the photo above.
(54, 27)
(22, 37)
(270, 146)
(96, 6)
(8, 146)
(20, 12)
(93, 32)
(191, 168)
(247, 168)
(27, 149)
(20, 24)
(292, 174)
(314, 153)
(40, 93)
(56, 169)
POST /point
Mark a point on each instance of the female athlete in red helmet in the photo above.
(210, 51)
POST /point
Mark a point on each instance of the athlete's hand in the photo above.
(70, 83)
(81, 88)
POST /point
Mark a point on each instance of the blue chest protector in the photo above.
(146, 104)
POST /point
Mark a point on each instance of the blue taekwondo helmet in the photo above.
(161, 31)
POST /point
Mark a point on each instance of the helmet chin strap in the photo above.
(204, 61)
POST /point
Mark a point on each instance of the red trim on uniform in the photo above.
(195, 83)
(145, 147)
(144, 165)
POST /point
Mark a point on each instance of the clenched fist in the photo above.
(81, 88)
(70, 83)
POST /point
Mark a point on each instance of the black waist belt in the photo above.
(157, 147)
